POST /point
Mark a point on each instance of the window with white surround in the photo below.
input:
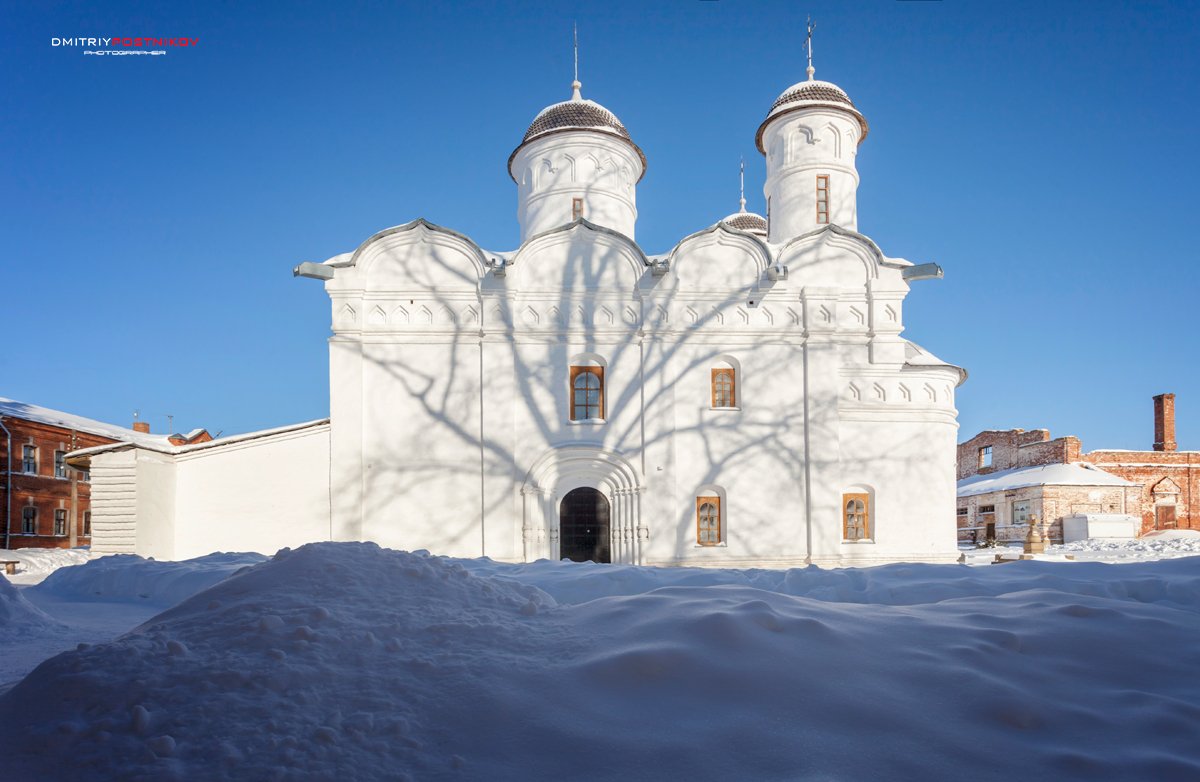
(576, 208)
(985, 456)
(1020, 511)
(60, 464)
(60, 521)
(29, 459)
(29, 520)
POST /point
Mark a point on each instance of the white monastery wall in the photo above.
(273, 492)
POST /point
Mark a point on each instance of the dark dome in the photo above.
(808, 94)
(821, 91)
(577, 114)
(747, 221)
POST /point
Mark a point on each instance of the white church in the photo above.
(744, 399)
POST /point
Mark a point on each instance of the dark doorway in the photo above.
(991, 532)
(583, 526)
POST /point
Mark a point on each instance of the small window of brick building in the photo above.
(29, 520)
(1020, 512)
(87, 523)
(60, 464)
(985, 456)
(29, 459)
(60, 522)
(962, 512)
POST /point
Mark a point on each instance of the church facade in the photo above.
(744, 399)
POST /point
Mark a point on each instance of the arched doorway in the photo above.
(583, 526)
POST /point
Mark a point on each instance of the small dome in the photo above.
(577, 114)
(808, 94)
(747, 221)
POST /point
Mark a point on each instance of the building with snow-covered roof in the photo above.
(1005, 477)
(743, 398)
(46, 503)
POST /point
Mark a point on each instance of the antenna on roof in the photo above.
(808, 43)
(575, 85)
(742, 185)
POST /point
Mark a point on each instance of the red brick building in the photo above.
(1007, 476)
(1169, 477)
(44, 502)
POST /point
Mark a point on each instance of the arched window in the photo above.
(724, 384)
(587, 393)
(724, 387)
(708, 521)
(856, 517)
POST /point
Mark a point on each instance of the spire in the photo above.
(575, 85)
(742, 187)
(808, 42)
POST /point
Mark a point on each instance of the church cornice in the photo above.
(477, 252)
(839, 231)
(581, 222)
(728, 230)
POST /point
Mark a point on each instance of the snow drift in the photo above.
(347, 661)
(128, 577)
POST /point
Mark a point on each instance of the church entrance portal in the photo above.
(583, 526)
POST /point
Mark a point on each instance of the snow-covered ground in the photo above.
(348, 661)
(62, 600)
(1161, 544)
(34, 564)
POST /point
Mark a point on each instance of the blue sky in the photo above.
(153, 207)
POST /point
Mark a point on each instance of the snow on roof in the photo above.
(1077, 474)
(165, 446)
(44, 415)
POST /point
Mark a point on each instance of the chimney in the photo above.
(1164, 422)
(144, 426)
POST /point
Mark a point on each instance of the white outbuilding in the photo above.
(743, 399)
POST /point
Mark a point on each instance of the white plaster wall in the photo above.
(905, 458)
(257, 495)
(753, 455)
(800, 145)
(157, 512)
(553, 170)
(421, 445)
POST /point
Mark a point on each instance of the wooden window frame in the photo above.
(60, 465)
(576, 371)
(87, 524)
(60, 518)
(733, 389)
(715, 501)
(25, 460)
(847, 498)
(29, 515)
(822, 199)
(576, 208)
